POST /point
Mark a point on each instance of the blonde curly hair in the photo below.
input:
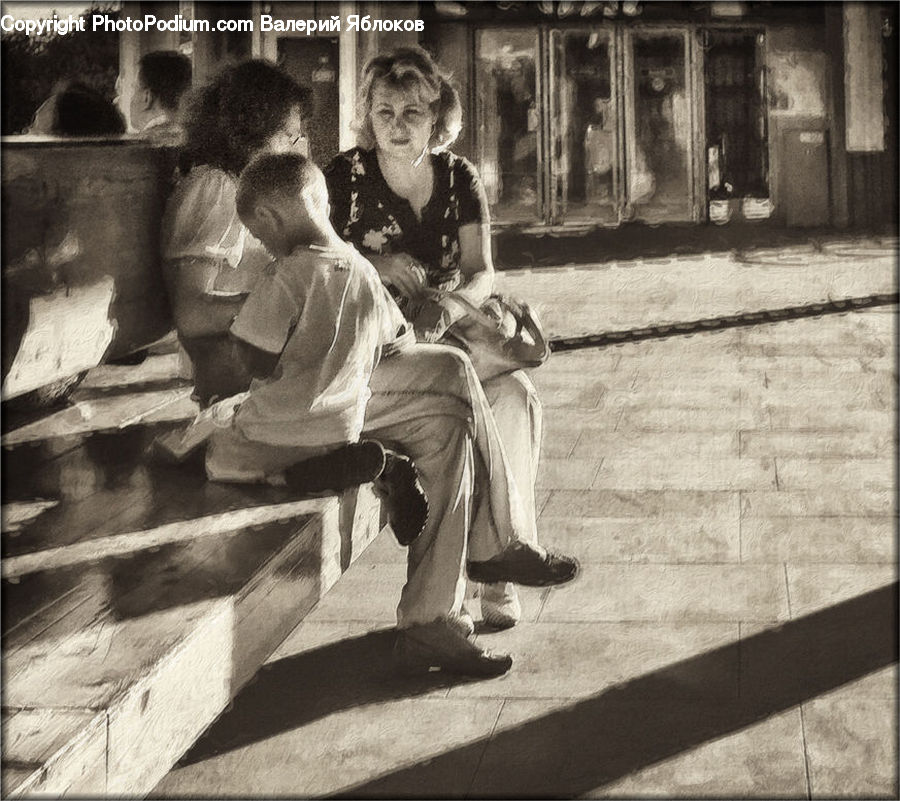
(408, 69)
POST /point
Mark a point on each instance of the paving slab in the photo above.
(333, 753)
(814, 587)
(586, 659)
(688, 473)
(762, 761)
(567, 474)
(628, 444)
(728, 496)
(643, 539)
(871, 474)
(851, 746)
(643, 503)
(698, 593)
(838, 445)
(859, 502)
(818, 539)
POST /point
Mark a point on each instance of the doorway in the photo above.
(313, 61)
(736, 120)
(658, 129)
(586, 125)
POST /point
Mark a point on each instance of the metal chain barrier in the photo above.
(712, 324)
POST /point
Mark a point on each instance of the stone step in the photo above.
(139, 598)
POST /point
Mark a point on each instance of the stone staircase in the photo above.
(138, 597)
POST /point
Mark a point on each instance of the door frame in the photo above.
(552, 207)
(695, 103)
(622, 79)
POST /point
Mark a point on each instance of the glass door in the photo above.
(508, 118)
(658, 129)
(585, 169)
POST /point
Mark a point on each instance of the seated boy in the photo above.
(311, 335)
(340, 363)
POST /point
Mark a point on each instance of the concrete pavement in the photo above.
(731, 497)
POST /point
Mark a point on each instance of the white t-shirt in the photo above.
(201, 221)
(329, 316)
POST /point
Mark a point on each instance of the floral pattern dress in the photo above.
(366, 212)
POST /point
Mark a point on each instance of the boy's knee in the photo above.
(524, 389)
(514, 391)
(455, 369)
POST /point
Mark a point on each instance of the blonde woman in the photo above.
(418, 212)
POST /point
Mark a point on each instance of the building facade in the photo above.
(595, 114)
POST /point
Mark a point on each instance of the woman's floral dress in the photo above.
(366, 212)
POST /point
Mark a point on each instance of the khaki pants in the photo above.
(426, 402)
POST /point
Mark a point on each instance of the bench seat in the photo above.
(139, 598)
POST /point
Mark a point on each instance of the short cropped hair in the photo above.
(167, 74)
(276, 175)
(408, 69)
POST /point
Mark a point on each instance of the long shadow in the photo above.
(593, 742)
(311, 685)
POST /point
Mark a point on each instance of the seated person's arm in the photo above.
(477, 269)
(476, 263)
(475, 260)
(197, 308)
(401, 271)
(257, 362)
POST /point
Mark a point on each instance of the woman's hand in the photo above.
(402, 272)
(431, 321)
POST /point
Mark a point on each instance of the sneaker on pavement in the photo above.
(529, 565)
(500, 607)
(404, 500)
(440, 645)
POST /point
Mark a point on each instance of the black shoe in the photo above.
(348, 466)
(404, 500)
(524, 564)
(441, 646)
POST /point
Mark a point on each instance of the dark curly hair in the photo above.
(82, 111)
(231, 118)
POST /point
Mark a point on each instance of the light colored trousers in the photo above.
(428, 403)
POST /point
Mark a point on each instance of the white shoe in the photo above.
(464, 623)
(500, 607)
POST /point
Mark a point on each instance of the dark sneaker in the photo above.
(404, 500)
(441, 646)
(348, 466)
(525, 564)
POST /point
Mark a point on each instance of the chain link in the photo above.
(713, 324)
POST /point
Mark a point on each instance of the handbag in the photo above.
(501, 336)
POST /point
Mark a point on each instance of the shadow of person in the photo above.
(304, 687)
(581, 746)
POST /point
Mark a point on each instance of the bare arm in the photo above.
(258, 363)
(476, 263)
(199, 310)
(399, 270)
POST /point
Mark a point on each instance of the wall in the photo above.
(81, 271)
(798, 100)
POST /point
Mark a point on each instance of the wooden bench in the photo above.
(139, 597)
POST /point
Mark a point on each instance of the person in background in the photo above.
(76, 109)
(154, 111)
(210, 260)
